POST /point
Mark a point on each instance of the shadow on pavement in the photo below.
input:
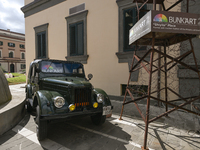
(81, 133)
(9, 134)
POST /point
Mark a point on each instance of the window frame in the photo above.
(38, 30)
(1, 53)
(125, 56)
(10, 44)
(73, 19)
(76, 39)
(42, 52)
(21, 55)
(12, 54)
(22, 46)
(23, 65)
(124, 29)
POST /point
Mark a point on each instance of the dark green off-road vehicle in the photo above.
(59, 90)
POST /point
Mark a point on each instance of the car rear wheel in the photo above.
(41, 126)
(98, 119)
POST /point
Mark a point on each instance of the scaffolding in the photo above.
(159, 37)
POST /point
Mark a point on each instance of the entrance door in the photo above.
(12, 68)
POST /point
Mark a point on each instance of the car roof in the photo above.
(53, 60)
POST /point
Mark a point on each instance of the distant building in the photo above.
(12, 51)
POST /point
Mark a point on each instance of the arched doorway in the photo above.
(12, 68)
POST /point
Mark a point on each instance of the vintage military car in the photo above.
(58, 90)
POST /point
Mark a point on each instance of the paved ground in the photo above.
(113, 135)
(81, 134)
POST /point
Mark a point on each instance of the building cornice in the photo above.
(8, 31)
(38, 5)
(32, 5)
(2, 35)
(12, 39)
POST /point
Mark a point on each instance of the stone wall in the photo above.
(4, 89)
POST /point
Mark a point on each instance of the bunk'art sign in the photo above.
(166, 22)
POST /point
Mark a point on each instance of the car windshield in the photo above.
(57, 67)
(52, 67)
(73, 68)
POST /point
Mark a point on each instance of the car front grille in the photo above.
(82, 97)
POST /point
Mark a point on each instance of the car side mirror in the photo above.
(90, 76)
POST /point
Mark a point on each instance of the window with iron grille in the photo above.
(0, 54)
(1, 43)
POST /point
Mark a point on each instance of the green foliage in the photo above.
(18, 78)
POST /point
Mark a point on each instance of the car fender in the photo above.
(106, 97)
(28, 91)
(44, 99)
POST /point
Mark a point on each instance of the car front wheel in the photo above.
(98, 119)
(41, 126)
(28, 107)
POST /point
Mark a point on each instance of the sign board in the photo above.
(166, 22)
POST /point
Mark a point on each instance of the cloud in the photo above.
(11, 16)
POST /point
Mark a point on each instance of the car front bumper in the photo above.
(66, 115)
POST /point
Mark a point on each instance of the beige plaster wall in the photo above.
(102, 40)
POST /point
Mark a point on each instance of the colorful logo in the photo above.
(47, 67)
(160, 18)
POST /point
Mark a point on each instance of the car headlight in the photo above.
(95, 105)
(72, 107)
(59, 101)
(100, 98)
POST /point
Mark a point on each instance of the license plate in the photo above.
(107, 110)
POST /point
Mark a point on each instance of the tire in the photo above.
(28, 107)
(41, 126)
(98, 119)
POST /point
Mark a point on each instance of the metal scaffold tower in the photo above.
(149, 30)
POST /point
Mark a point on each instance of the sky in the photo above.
(11, 16)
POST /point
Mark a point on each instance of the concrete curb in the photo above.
(12, 112)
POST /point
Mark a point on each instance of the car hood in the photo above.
(73, 81)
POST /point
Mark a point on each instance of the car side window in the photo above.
(36, 73)
(32, 73)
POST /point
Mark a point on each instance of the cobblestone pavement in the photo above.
(81, 134)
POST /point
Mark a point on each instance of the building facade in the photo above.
(95, 33)
(12, 51)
